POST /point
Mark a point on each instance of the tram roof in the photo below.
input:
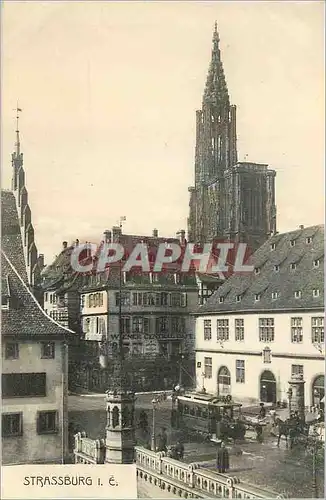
(206, 399)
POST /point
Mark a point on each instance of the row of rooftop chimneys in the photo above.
(112, 236)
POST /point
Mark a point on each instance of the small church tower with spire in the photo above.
(34, 262)
(218, 208)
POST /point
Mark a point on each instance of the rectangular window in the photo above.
(240, 371)
(12, 424)
(266, 329)
(208, 369)
(146, 325)
(178, 324)
(137, 324)
(222, 329)
(162, 324)
(296, 370)
(125, 298)
(296, 330)
(239, 329)
(125, 324)
(47, 422)
(164, 298)
(183, 300)
(207, 329)
(46, 296)
(22, 385)
(317, 330)
(11, 350)
(47, 350)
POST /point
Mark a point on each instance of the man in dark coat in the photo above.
(222, 458)
(262, 412)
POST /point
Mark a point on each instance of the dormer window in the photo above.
(221, 300)
(274, 295)
(292, 243)
(257, 270)
(316, 263)
(293, 266)
(297, 294)
(238, 298)
(315, 292)
(276, 268)
(308, 240)
(257, 297)
(273, 246)
(4, 302)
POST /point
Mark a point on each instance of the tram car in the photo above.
(203, 413)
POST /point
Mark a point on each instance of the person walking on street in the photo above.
(222, 458)
(262, 412)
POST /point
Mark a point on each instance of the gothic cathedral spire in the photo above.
(229, 199)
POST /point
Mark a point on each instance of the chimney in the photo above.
(301, 227)
(155, 233)
(107, 236)
(116, 233)
(182, 236)
(64, 245)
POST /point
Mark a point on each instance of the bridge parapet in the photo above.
(192, 480)
(88, 451)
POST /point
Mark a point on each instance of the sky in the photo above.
(109, 92)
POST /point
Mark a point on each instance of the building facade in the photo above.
(34, 347)
(230, 199)
(257, 331)
(156, 324)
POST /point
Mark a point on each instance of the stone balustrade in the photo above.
(88, 451)
(192, 480)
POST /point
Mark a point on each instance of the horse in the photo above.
(288, 429)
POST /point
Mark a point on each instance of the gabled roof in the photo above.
(24, 317)
(286, 281)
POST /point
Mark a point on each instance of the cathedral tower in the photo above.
(214, 195)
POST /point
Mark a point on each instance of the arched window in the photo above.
(115, 417)
(125, 417)
(318, 390)
(224, 377)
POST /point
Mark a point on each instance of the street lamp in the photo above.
(154, 403)
(314, 445)
(180, 368)
(290, 394)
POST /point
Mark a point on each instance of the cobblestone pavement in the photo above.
(265, 465)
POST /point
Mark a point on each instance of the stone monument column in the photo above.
(297, 383)
(120, 434)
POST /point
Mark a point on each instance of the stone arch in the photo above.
(267, 387)
(317, 389)
(223, 381)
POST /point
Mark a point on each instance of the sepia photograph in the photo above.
(162, 249)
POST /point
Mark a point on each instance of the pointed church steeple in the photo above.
(32, 260)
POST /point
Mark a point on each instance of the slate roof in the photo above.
(267, 279)
(25, 317)
(60, 276)
(11, 241)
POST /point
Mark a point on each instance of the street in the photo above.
(289, 472)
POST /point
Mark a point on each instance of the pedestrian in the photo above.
(222, 458)
(180, 450)
(162, 440)
(262, 412)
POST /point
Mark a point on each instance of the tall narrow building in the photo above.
(229, 200)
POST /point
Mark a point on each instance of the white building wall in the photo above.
(284, 353)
